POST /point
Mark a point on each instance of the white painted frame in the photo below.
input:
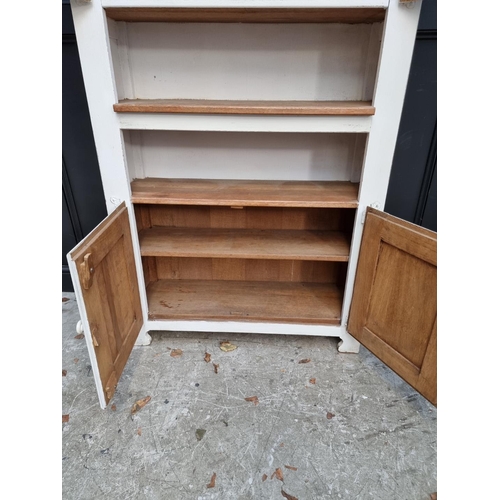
(244, 123)
(247, 3)
(397, 47)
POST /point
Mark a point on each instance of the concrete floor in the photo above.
(379, 444)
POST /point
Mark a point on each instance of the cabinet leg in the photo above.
(348, 343)
(143, 339)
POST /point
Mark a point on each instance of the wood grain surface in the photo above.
(112, 300)
(331, 194)
(326, 108)
(245, 243)
(310, 303)
(247, 15)
(394, 307)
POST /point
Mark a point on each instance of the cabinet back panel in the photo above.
(245, 61)
(320, 219)
(244, 155)
(181, 268)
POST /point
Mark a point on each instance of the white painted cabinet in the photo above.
(241, 143)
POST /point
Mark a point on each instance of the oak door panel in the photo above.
(394, 307)
(108, 282)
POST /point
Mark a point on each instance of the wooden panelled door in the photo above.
(394, 306)
(104, 274)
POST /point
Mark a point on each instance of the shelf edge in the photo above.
(244, 123)
(259, 108)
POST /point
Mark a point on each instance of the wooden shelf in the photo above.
(202, 106)
(247, 15)
(245, 244)
(239, 193)
(278, 302)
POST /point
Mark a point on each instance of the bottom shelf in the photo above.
(269, 301)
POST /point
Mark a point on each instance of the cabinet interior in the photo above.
(267, 59)
(273, 264)
(245, 226)
(244, 155)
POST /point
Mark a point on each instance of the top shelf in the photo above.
(247, 15)
(322, 108)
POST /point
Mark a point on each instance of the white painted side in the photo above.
(95, 55)
(372, 60)
(246, 3)
(119, 54)
(399, 39)
(244, 123)
(94, 51)
(84, 323)
(350, 344)
(230, 155)
(133, 153)
(358, 157)
(248, 61)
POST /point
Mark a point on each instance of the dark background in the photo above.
(412, 193)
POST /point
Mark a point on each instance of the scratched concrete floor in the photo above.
(380, 443)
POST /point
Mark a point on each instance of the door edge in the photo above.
(86, 329)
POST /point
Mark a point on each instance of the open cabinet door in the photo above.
(394, 306)
(104, 276)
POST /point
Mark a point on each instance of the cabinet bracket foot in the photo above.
(348, 344)
(143, 339)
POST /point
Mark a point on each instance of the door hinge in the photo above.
(375, 204)
(87, 271)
